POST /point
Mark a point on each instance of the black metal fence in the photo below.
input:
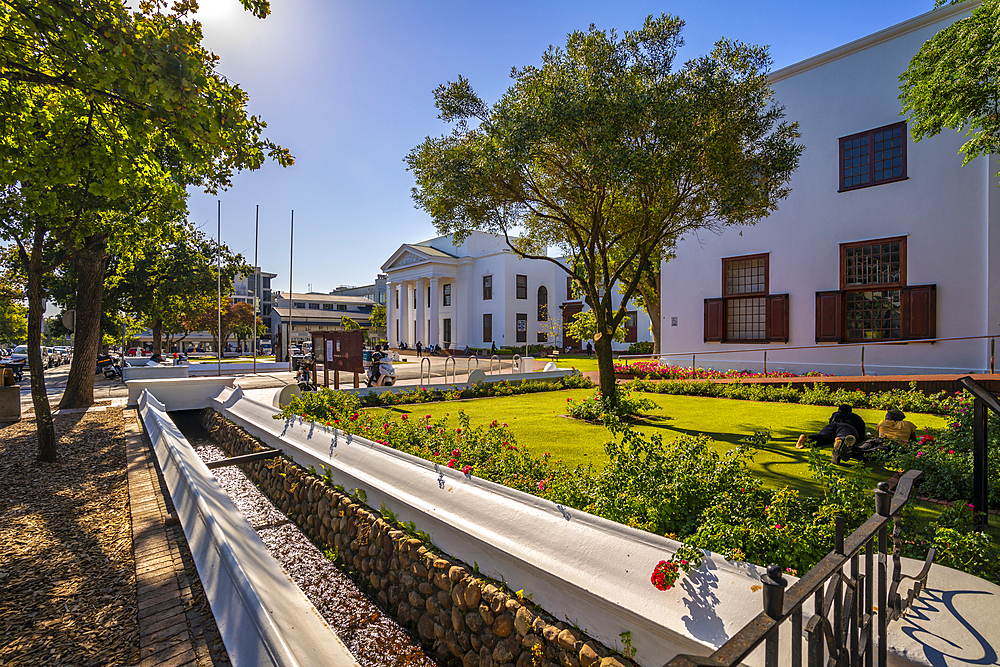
(980, 458)
(850, 609)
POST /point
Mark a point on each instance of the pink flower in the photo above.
(404, 417)
(466, 470)
(458, 430)
(451, 463)
(919, 454)
(541, 485)
(951, 451)
(456, 453)
(428, 417)
(778, 526)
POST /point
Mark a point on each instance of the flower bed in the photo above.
(911, 400)
(652, 370)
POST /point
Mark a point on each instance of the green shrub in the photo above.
(641, 347)
(597, 408)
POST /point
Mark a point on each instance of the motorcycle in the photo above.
(386, 373)
(113, 369)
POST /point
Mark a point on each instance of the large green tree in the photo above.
(608, 152)
(160, 280)
(108, 113)
(13, 314)
(954, 82)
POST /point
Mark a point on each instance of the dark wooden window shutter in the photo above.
(777, 318)
(919, 309)
(829, 322)
(715, 321)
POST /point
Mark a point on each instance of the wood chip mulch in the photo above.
(67, 577)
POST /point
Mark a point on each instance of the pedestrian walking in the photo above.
(419, 348)
(590, 348)
(493, 348)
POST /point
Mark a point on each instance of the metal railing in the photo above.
(468, 364)
(422, 360)
(499, 363)
(515, 363)
(694, 355)
(980, 460)
(858, 616)
(454, 369)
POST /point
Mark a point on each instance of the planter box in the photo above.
(10, 404)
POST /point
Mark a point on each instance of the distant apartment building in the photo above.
(315, 311)
(259, 281)
(375, 291)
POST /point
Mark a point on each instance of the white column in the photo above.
(390, 314)
(401, 315)
(462, 308)
(433, 337)
(419, 334)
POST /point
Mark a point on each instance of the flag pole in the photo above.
(291, 247)
(218, 273)
(256, 286)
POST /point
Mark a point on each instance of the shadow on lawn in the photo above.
(781, 464)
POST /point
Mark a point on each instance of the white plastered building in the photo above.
(881, 238)
(478, 293)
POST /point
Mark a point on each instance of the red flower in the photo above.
(466, 470)
(456, 453)
(451, 463)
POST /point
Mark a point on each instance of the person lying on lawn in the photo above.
(893, 429)
(843, 430)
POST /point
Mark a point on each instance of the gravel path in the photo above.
(375, 640)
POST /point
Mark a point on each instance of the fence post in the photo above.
(774, 599)
(980, 482)
(862, 360)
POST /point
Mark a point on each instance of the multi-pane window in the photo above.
(543, 304)
(872, 276)
(313, 306)
(341, 306)
(299, 304)
(327, 306)
(487, 327)
(873, 157)
(487, 288)
(522, 328)
(521, 291)
(569, 287)
(446, 330)
(745, 293)
(543, 337)
(446, 295)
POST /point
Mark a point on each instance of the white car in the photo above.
(20, 354)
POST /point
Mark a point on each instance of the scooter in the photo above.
(303, 377)
(386, 373)
(114, 370)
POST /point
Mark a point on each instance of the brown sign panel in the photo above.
(339, 350)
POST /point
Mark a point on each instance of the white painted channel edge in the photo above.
(262, 615)
(592, 572)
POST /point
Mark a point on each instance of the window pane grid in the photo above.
(746, 276)
(873, 315)
(745, 318)
(875, 264)
(855, 161)
(888, 154)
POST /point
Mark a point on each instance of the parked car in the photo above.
(137, 352)
(65, 352)
(20, 353)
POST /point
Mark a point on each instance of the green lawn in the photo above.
(538, 421)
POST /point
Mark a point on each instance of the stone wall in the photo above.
(462, 616)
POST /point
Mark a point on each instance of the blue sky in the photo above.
(347, 88)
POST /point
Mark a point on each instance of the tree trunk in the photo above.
(90, 267)
(649, 291)
(157, 335)
(36, 308)
(606, 367)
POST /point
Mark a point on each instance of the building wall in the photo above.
(942, 208)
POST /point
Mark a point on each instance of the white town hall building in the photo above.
(479, 293)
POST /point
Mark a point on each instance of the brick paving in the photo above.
(176, 626)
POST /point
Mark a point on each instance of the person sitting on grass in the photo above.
(843, 430)
(893, 429)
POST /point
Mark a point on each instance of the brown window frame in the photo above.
(488, 288)
(520, 290)
(870, 135)
(542, 303)
(726, 298)
(487, 327)
(871, 287)
(521, 336)
(446, 295)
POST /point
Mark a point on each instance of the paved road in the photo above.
(407, 373)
